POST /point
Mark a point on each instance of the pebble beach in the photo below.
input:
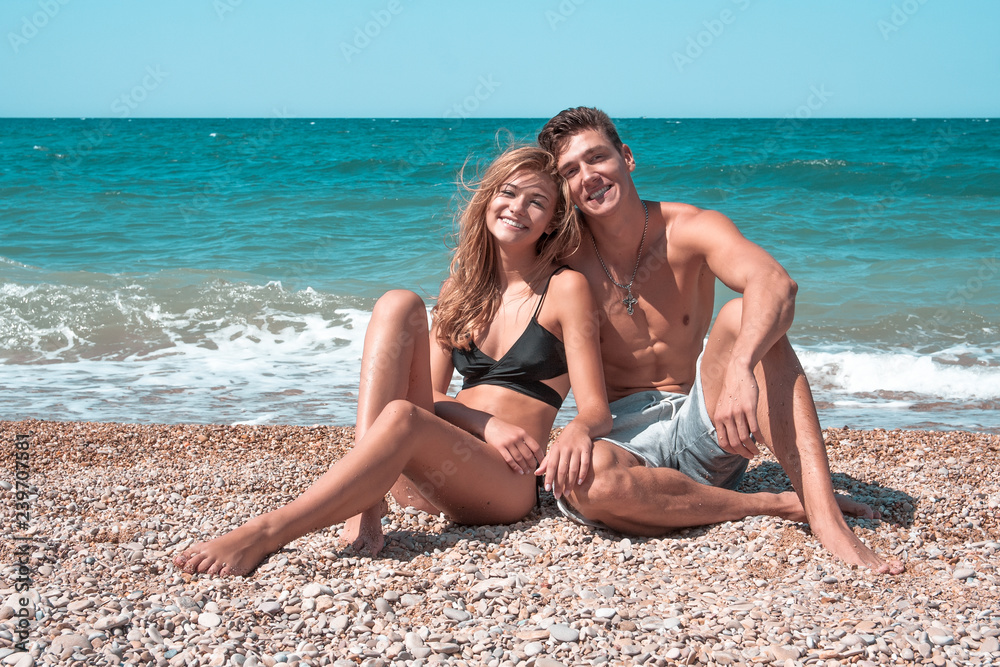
(109, 505)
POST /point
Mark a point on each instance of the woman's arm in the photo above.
(568, 459)
(521, 451)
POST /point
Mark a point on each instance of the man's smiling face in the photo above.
(597, 173)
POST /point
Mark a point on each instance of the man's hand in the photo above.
(736, 413)
(567, 461)
(521, 452)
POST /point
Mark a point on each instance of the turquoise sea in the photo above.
(223, 271)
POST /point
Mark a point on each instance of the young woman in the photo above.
(517, 326)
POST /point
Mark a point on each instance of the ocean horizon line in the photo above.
(502, 118)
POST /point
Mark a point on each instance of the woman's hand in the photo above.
(567, 461)
(521, 452)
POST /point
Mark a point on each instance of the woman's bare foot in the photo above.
(364, 531)
(235, 554)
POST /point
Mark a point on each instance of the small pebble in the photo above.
(80, 605)
(456, 614)
(209, 620)
(270, 608)
(563, 633)
(532, 649)
(529, 549)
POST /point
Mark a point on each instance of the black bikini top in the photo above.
(535, 356)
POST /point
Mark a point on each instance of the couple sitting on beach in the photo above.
(564, 276)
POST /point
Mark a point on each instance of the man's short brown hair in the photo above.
(570, 122)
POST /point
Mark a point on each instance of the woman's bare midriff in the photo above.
(530, 414)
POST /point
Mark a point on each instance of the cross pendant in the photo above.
(629, 301)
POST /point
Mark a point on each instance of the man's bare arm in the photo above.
(768, 308)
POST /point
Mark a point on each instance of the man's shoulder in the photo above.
(688, 224)
(677, 212)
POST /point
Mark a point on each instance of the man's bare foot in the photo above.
(851, 507)
(848, 506)
(235, 554)
(848, 547)
(364, 531)
(839, 538)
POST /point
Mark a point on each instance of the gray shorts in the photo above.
(666, 430)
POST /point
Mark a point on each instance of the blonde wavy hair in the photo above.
(471, 296)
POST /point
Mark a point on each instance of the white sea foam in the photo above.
(296, 359)
(277, 367)
(304, 371)
(11, 262)
(228, 352)
(956, 374)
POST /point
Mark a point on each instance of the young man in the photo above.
(688, 420)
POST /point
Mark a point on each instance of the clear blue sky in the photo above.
(406, 58)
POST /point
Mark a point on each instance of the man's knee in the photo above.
(721, 338)
(730, 318)
(727, 328)
(607, 483)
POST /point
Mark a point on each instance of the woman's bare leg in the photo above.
(453, 469)
(395, 365)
